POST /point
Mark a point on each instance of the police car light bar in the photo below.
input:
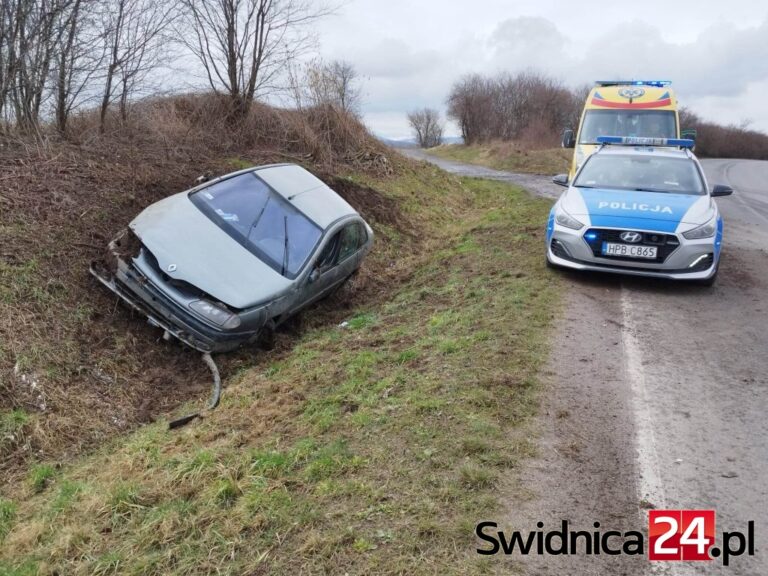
(642, 141)
(656, 83)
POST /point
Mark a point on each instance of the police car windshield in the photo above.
(641, 173)
(649, 123)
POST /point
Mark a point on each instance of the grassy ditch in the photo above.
(509, 156)
(76, 367)
(372, 447)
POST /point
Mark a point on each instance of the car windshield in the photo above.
(646, 173)
(648, 123)
(261, 220)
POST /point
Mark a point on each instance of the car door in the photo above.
(338, 260)
(353, 237)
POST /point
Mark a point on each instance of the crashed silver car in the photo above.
(220, 264)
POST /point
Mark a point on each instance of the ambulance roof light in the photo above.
(655, 83)
(645, 141)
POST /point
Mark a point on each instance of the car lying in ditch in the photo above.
(221, 264)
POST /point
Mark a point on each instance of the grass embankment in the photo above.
(509, 156)
(372, 448)
(76, 367)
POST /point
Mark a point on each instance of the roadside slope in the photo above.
(77, 368)
(369, 448)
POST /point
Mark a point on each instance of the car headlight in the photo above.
(565, 219)
(706, 230)
(216, 314)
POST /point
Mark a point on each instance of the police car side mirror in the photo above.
(561, 180)
(720, 190)
(568, 140)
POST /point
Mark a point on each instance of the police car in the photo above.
(638, 206)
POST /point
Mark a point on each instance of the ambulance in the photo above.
(632, 108)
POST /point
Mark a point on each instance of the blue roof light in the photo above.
(643, 141)
(656, 83)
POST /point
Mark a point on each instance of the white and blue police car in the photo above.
(638, 206)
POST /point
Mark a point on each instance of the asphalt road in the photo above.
(658, 394)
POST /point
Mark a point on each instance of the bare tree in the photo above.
(470, 104)
(80, 53)
(426, 126)
(244, 45)
(335, 83)
(29, 34)
(135, 35)
(529, 107)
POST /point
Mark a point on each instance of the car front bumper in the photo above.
(685, 260)
(138, 292)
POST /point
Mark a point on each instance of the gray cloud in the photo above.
(717, 63)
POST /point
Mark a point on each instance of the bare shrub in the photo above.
(334, 83)
(528, 107)
(426, 126)
(718, 141)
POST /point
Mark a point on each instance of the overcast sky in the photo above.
(409, 52)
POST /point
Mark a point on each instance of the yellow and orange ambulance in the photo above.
(623, 108)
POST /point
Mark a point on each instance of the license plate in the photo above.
(629, 250)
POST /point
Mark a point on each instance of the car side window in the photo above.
(328, 256)
(352, 238)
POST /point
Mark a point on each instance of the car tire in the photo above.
(266, 339)
(337, 291)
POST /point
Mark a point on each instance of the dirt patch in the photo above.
(374, 206)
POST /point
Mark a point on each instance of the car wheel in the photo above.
(266, 339)
(338, 290)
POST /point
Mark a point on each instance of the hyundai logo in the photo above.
(172, 268)
(631, 237)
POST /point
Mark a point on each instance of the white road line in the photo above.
(650, 488)
(649, 485)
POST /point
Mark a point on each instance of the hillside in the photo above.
(383, 425)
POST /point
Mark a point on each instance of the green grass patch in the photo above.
(362, 320)
(7, 515)
(41, 476)
(13, 425)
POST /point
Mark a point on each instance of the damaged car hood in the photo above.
(189, 247)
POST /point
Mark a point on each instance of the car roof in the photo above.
(665, 151)
(306, 192)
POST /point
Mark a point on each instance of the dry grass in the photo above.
(75, 367)
(510, 156)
